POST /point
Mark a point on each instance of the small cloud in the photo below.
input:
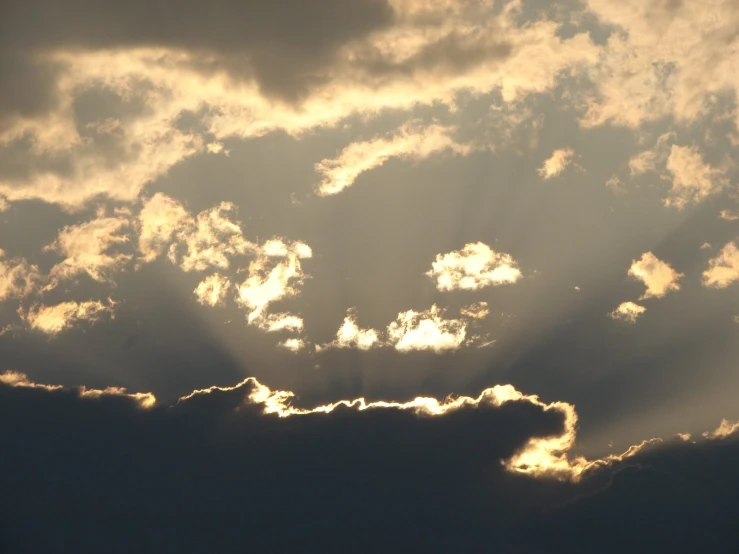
(706, 246)
(628, 312)
(725, 429)
(269, 282)
(723, 270)
(212, 290)
(658, 276)
(54, 319)
(727, 215)
(616, 185)
(692, 179)
(86, 248)
(650, 160)
(426, 330)
(350, 335)
(409, 142)
(160, 218)
(216, 148)
(18, 278)
(477, 310)
(210, 241)
(273, 323)
(473, 267)
(684, 436)
(293, 344)
(557, 163)
(4, 204)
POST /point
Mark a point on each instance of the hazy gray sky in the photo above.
(379, 199)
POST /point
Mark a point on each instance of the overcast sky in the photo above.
(378, 199)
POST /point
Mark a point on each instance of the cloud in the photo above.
(556, 163)
(727, 215)
(692, 179)
(210, 241)
(350, 335)
(473, 267)
(426, 330)
(658, 276)
(653, 159)
(409, 142)
(60, 317)
(725, 429)
(269, 282)
(272, 323)
(212, 290)
(21, 380)
(628, 312)
(425, 58)
(160, 218)
(293, 344)
(86, 248)
(667, 59)
(18, 278)
(476, 310)
(723, 270)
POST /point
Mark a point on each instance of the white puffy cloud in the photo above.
(556, 163)
(692, 179)
(293, 344)
(212, 290)
(473, 267)
(723, 270)
(409, 142)
(658, 276)
(59, 317)
(269, 282)
(350, 335)
(628, 312)
(426, 330)
(18, 278)
(86, 248)
(728, 215)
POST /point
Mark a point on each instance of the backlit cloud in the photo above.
(426, 330)
(350, 335)
(212, 290)
(87, 249)
(628, 312)
(56, 318)
(723, 270)
(477, 310)
(18, 278)
(268, 282)
(473, 267)
(658, 276)
(409, 142)
(556, 163)
(692, 179)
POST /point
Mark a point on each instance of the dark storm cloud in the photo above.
(211, 474)
(284, 43)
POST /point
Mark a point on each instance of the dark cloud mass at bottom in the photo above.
(214, 474)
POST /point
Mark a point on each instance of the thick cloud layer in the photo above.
(98, 473)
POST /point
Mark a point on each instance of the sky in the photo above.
(287, 247)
